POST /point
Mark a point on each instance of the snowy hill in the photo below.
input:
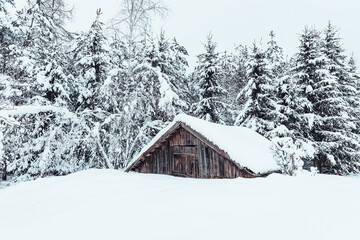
(107, 204)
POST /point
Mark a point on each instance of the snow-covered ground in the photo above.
(108, 204)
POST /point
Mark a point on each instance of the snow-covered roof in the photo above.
(244, 146)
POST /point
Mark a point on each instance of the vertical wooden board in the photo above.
(200, 159)
(158, 161)
(152, 163)
(213, 163)
(182, 136)
(146, 165)
(197, 170)
(143, 168)
(167, 158)
(189, 161)
(139, 167)
(221, 167)
(228, 169)
(218, 164)
(216, 161)
(233, 169)
(174, 139)
(164, 160)
(171, 140)
(161, 162)
(188, 138)
(206, 162)
(171, 155)
(209, 158)
(178, 137)
(161, 159)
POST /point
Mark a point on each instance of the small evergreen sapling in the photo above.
(289, 154)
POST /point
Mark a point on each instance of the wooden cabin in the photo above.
(183, 149)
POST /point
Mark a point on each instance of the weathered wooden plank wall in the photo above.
(185, 155)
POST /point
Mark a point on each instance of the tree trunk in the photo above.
(4, 176)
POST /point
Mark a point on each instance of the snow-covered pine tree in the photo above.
(91, 66)
(7, 34)
(340, 68)
(179, 65)
(229, 64)
(170, 58)
(9, 30)
(337, 101)
(274, 54)
(321, 107)
(42, 54)
(285, 88)
(355, 75)
(210, 103)
(260, 112)
(91, 62)
(240, 78)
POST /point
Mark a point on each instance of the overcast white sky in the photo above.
(240, 21)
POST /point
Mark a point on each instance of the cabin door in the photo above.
(185, 163)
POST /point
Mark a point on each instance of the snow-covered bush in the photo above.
(289, 154)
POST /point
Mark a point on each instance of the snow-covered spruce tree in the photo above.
(355, 76)
(240, 79)
(341, 69)
(7, 34)
(274, 54)
(305, 71)
(91, 65)
(321, 108)
(285, 89)
(210, 104)
(42, 54)
(228, 79)
(168, 67)
(9, 30)
(338, 101)
(91, 62)
(260, 112)
(173, 65)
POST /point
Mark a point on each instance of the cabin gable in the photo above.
(185, 153)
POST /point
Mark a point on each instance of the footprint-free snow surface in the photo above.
(107, 204)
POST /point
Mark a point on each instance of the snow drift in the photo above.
(108, 204)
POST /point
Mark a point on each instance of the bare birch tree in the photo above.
(134, 19)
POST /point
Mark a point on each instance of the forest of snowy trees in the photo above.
(73, 101)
